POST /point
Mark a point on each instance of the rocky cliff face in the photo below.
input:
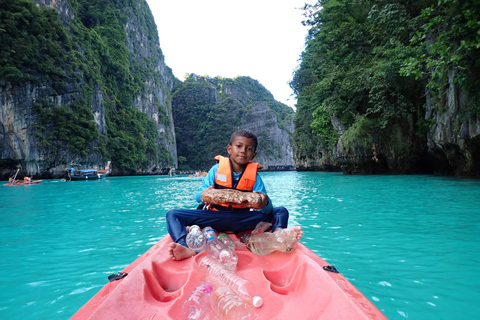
(275, 147)
(65, 12)
(22, 106)
(454, 138)
(208, 110)
(275, 138)
(155, 99)
(449, 145)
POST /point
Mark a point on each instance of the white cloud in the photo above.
(261, 39)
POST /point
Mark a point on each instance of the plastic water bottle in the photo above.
(195, 238)
(219, 275)
(227, 305)
(198, 302)
(265, 243)
(226, 240)
(218, 250)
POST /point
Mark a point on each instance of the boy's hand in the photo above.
(254, 200)
(263, 199)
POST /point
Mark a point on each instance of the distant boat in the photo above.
(88, 174)
(12, 181)
(22, 183)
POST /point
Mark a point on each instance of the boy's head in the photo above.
(246, 134)
(241, 149)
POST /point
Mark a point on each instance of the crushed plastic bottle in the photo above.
(218, 250)
(196, 239)
(198, 303)
(268, 242)
(227, 305)
(219, 275)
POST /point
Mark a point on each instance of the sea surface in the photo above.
(410, 244)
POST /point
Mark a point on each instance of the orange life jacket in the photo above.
(224, 177)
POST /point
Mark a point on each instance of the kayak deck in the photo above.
(292, 284)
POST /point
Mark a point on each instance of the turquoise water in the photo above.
(409, 243)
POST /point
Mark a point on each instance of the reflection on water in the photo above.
(409, 243)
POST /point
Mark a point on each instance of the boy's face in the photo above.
(241, 150)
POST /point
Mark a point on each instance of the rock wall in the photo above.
(261, 120)
(19, 141)
(449, 146)
(275, 139)
(208, 110)
(157, 93)
(454, 138)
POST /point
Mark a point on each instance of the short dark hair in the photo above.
(246, 134)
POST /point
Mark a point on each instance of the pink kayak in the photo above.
(293, 285)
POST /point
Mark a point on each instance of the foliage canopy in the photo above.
(366, 65)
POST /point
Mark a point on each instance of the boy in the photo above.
(237, 173)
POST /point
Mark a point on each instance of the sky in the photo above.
(262, 39)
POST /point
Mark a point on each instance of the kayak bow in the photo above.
(292, 284)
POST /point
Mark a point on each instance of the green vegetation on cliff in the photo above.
(448, 42)
(84, 57)
(365, 70)
(207, 110)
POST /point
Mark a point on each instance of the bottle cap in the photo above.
(207, 287)
(257, 301)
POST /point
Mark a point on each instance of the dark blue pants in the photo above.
(235, 221)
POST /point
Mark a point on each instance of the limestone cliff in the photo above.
(447, 144)
(207, 110)
(454, 137)
(90, 88)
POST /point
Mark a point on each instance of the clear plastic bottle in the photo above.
(198, 303)
(219, 275)
(195, 238)
(226, 240)
(218, 250)
(227, 305)
(265, 243)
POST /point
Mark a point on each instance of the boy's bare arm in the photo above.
(254, 200)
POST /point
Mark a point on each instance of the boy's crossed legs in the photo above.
(234, 221)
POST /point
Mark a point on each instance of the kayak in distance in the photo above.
(22, 183)
(296, 284)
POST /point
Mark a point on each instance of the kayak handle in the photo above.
(117, 276)
(330, 269)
